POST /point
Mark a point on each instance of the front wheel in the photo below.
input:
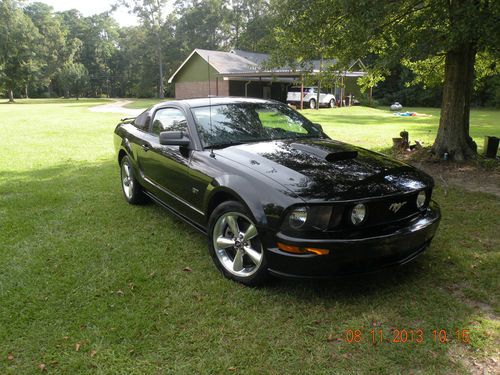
(132, 191)
(332, 103)
(312, 103)
(235, 244)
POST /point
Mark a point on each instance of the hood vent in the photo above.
(325, 155)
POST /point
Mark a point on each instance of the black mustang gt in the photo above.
(273, 192)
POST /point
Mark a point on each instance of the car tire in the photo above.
(312, 104)
(132, 190)
(332, 103)
(240, 257)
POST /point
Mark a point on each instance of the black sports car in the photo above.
(275, 194)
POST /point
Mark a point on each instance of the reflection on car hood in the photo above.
(323, 169)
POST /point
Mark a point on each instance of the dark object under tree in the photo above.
(491, 146)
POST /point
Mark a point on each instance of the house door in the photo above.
(266, 92)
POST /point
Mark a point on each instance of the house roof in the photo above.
(222, 62)
(246, 64)
(257, 58)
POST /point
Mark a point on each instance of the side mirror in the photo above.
(174, 138)
(147, 122)
(318, 126)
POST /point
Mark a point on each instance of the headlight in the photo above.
(304, 218)
(358, 214)
(421, 198)
(298, 217)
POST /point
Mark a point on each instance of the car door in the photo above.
(166, 168)
(323, 97)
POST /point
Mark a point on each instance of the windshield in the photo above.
(238, 123)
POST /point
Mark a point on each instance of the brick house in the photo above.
(241, 73)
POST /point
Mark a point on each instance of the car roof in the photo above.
(216, 100)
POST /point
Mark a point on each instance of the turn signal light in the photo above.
(302, 250)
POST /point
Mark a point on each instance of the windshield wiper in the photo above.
(223, 145)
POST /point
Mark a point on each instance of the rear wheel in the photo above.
(235, 244)
(312, 103)
(132, 191)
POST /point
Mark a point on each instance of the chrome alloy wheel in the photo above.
(127, 180)
(237, 245)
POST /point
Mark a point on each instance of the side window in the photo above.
(168, 119)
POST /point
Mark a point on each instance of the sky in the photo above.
(90, 7)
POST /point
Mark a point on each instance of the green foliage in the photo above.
(52, 49)
(19, 40)
(370, 80)
(74, 78)
(417, 34)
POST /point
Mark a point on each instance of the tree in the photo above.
(74, 78)
(203, 24)
(248, 22)
(413, 29)
(153, 16)
(18, 45)
(52, 44)
(369, 81)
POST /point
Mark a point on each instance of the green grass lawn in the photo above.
(375, 128)
(90, 284)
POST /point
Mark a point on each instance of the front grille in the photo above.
(379, 212)
(392, 209)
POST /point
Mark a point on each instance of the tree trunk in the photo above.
(161, 90)
(11, 96)
(26, 91)
(453, 134)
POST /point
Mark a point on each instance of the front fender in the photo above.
(238, 187)
(265, 199)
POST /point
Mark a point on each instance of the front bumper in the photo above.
(390, 247)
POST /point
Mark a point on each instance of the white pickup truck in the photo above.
(310, 97)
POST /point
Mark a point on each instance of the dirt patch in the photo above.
(469, 176)
(476, 363)
(490, 365)
(117, 107)
(485, 309)
(482, 175)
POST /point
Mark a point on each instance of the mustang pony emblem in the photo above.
(395, 207)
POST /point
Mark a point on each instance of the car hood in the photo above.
(324, 169)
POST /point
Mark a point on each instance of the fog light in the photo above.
(298, 217)
(358, 214)
(421, 198)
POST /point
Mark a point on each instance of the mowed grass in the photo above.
(374, 128)
(90, 284)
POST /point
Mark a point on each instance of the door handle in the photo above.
(145, 147)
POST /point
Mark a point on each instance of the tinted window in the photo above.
(168, 119)
(250, 122)
(297, 89)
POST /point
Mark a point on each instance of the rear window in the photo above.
(297, 89)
